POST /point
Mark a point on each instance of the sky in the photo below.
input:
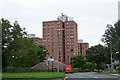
(92, 16)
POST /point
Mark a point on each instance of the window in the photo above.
(52, 42)
(67, 47)
(67, 43)
(48, 43)
(71, 23)
(71, 42)
(43, 25)
(58, 23)
(58, 32)
(45, 43)
(67, 29)
(48, 24)
(59, 47)
(71, 46)
(48, 46)
(59, 56)
(44, 36)
(58, 43)
(52, 23)
(52, 36)
(71, 36)
(52, 31)
(58, 26)
(44, 30)
(72, 49)
(48, 28)
(59, 36)
(59, 53)
(71, 29)
(67, 36)
(48, 36)
(52, 47)
(67, 56)
(71, 32)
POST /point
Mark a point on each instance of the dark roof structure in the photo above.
(55, 64)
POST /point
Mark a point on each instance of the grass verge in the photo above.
(109, 72)
(34, 75)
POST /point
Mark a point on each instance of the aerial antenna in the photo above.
(62, 14)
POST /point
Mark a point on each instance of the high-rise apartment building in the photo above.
(82, 47)
(38, 41)
(60, 38)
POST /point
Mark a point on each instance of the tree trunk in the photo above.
(98, 68)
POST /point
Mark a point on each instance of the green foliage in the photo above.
(42, 53)
(23, 53)
(118, 68)
(111, 38)
(90, 65)
(18, 51)
(8, 36)
(77, 61)
(6, 39)
(97, 54)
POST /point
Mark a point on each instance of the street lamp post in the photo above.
(52, 64)
(48, 63)
(51, 59)
(58, 66)
(111, 57)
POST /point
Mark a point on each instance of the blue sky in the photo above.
(92, 16)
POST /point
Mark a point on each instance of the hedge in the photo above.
(21, 69)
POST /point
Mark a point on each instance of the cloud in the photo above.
(92, 16)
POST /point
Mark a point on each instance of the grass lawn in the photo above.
(109, 72)
(0, 75)
(34, 75)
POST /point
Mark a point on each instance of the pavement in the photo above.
(91, 76)
(118, 75)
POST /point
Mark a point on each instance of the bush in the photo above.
(89, 66)
(118, 68)
(21, 69)
(75, 70)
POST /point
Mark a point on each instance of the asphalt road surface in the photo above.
(90, 76)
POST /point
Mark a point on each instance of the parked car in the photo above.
(68, 69)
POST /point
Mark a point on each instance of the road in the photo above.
(90, 76)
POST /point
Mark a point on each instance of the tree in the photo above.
(8, 36)
(42, 53)
(10, 33)
(23, 53)
(18, 51)
(97, 54)
(77, 61)
(111, 38)
(6, 39)
(90, 65)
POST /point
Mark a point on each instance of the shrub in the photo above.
(118, 68)
(89, 66)
(21, 69)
